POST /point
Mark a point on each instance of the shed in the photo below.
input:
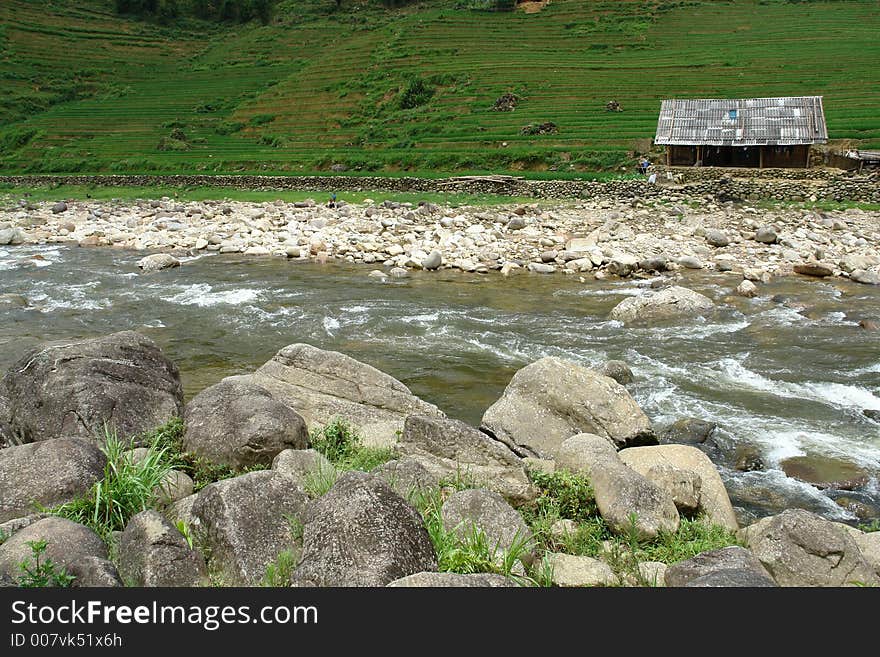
(741, 132)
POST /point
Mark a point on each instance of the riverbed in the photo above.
(787, 373)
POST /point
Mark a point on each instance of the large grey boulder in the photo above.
(47, 473)
(713, 499)
(569, 571)
(666, 304)
(67, 544)
(303, 465)
(157, 262)
(450, 448)
(408, 477)
(362, 533)
(453, 580)
(737, 565)
(240, 425)
(323, 385)
(869, 545)
(73, 388)
(245, 522)
(152, 552)
(485, 511)
(584, 452)
(92, 572)
(631, 503)
(799, 548)
(553, 399)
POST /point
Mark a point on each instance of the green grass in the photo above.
(411, 88)
(340, 442)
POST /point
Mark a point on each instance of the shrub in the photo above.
(416, 93)
(38, 572)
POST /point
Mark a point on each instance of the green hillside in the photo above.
(410, 88)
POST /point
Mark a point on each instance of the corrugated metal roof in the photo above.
(742, 121)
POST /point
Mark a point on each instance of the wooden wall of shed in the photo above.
(786, 157)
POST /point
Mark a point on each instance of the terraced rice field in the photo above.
(86, 90)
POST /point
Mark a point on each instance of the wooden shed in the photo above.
(741, 132)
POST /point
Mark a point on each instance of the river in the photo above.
(780, 379)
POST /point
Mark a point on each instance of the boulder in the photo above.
(799, 548)
(666, 304)
(683, 486)
(736, 564)
(816, 269)
(584, 452)
(245, 522)
(553, 399)
(94, 572)
(450, 448)
(302, 464)
(72, 389)
(865, 277)
(175, 486)
(240, 425)
(747, 289)
(157, 262)
(766, 235)
(869, 545)
(825, 472)
(323, 385)
(690, 262)
(730, 579)
(632, 504)
(617, 370)
(688, 431)
(714, 501)
(59, 207)
(569, 570)
(362, 533)
(67, 544)
(485, 511)
(407, 477)
(433, 261)
(11, 236)
(152, 552)
(47, 473)
(453, 580)
(717, 238)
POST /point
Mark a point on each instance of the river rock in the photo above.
(617, 370)
(683, 486)
(67, 544)
(747, 289)
(152, 552)
(654, 263)
(94, 572)
(670, 303)
(433, 261)
(245, 522)
(738, 565)
(688, 431)
(714, 501)
(484, 511)
(799, 548)
(585, 452)
(766, 235)
(11, 236)
(690, 262)
(362, 533)
(407, 477)
(302, 464)
(825, 472)
(323, 385)
(449, 580)
(157, 262)
(569, 570)
(630, 503)
(240, 425)
(541, 268)
(450, 448)
(47, 473)
(73, 388)
(175, 486)
(865, 277)
(59, 207)
(816, 269)
(622, 264)
(553, 399)
(717, 238)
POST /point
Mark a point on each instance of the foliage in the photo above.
(340, 442)
(40, 572)
(279, 571)
(869, 527)
(416, 93)
(564, 495)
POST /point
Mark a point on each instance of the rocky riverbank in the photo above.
(667, 231)
(320, 470)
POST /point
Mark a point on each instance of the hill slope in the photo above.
(409, 88)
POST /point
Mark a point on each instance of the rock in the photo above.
(714, 501)
(766, 235)
(670, 303)
(569, 570)
(549, 256)
(17, 300)
(240, 425)
(561, 529)
(632, 504)
(362, 533)
(67, 544)
(736, 564)
(869, 545)
(181, 511)
(47, 473)
(323, 385)
(584, 452)
(617, 370)
(516, 223)
(622, 264)
(816, 269)
(378, 273)
(450, 448)
(157, 262)
(447, 580)
(11, 236)
(175, 486)
(540, 268)
(748, 458)
(73, 388)
(799, 548)
(91, 572)
(730, 579)
(683, 486)
(650, 573)
(553, 399)
(865, 277)
(690, 262)
(244, 523)
(59, 207)
(152, 552)
(293, 252)
(433, 261)
(398, 272)
(872, 413)
(717, 238)
(747, 289)
(484, 511)
(654, 264)
(868, 325)
(407, 477)
(688, 431)
(825, 472)
(303, 464)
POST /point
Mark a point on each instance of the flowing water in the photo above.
(780, 379)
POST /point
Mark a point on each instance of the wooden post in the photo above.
(668, 155)
(700, 156)
(761, 156)
(807, 163)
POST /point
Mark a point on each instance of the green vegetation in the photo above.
(344, 448)
(40, 572)
(869, 527)
(395, 86)
(278, 572)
